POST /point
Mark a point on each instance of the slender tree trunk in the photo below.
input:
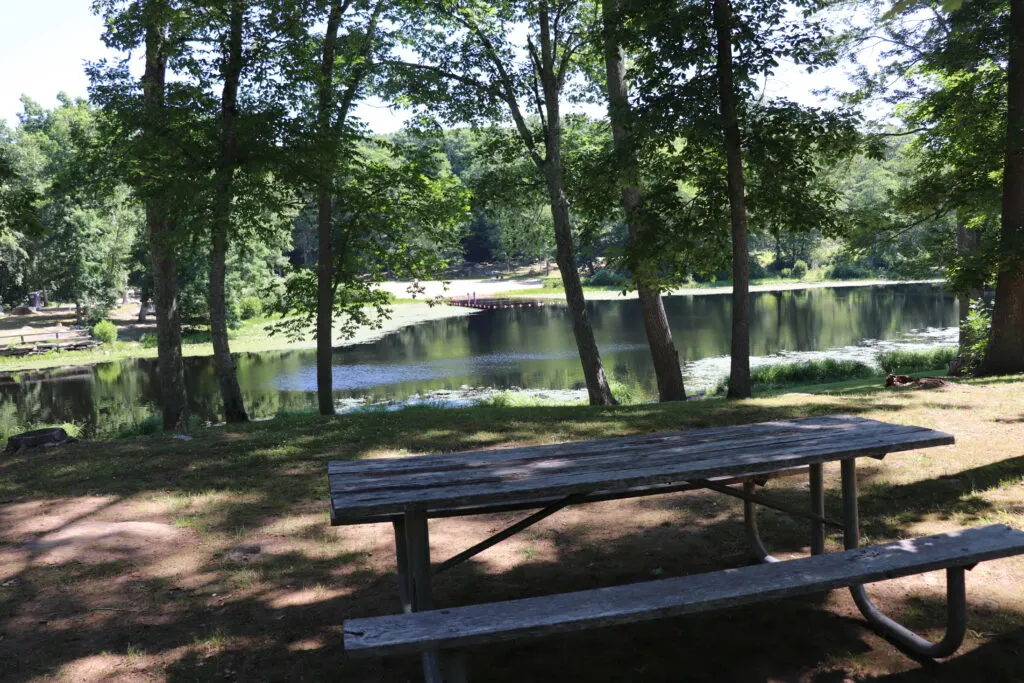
(967, 242)
(593, 369)
(161, 229)
(659, 335)
(224, 364)
(325, 219)
(1006, 345)
(739, 376)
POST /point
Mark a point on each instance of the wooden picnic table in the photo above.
(408, 491)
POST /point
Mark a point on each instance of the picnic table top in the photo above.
(391, 486)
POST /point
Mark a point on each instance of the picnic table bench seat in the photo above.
(454, 628)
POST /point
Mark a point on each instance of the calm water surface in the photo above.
(529, 348)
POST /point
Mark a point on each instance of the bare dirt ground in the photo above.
(213, 560)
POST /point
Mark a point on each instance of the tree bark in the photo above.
(593, 369)
(160, 228)
(598, 390)
(967, 242)
(1005, 353)
(325, 219)
(739, 376)
(659, 335)
(231, 73)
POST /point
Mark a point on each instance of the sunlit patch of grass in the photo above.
(196, 522)
(214, 642)
(244, 579)
(132, 654)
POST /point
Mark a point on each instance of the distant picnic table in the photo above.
(730, 460)
(26, 343)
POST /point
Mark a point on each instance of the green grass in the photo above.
(803, 373)
(251, 337)
(906, 362)
(263, 483)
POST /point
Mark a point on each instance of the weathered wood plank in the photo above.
(596, 497)
(532, 617)
(486, 457)
(546, 466)
(566, 456)
(389, 487)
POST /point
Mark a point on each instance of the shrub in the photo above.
(250, 307)
(800, 270)
(606, 277)
(757, 271)
(196, 337)
(147, 341)
(552, 283)
(977, 328)
(152, 424)
(845, 270)
(786, 272)
(97, 314)
(104, 331)
(903, 362)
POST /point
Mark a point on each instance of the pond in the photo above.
(527, 348)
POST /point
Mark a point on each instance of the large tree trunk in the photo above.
(739, 376)
(659, 335)
(224, 364)
(593, 369)
(161, 229)
(325, 220)
(1006, 345)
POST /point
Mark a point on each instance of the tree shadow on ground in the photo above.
(999, 660)
(279, 619)
(273, 470)
(286, 627)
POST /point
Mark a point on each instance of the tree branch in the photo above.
(362, 68)
(505, 79)
(450, 75)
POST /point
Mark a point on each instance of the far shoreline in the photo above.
(406, 313)
(613, 294)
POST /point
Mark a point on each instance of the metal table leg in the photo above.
(402, 557)
(817, 483)
(761, 553)
(956, 596)
(816, 476)
(417, 551)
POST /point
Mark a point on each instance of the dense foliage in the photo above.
(233, 179)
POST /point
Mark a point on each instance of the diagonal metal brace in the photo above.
(497, 538)
(765, 502)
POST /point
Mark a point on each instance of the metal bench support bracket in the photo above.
(956, 593)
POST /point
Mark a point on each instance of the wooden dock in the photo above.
(490, 303)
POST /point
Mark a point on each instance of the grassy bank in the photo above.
(811, 373)
(252, 337)
(236, 575)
